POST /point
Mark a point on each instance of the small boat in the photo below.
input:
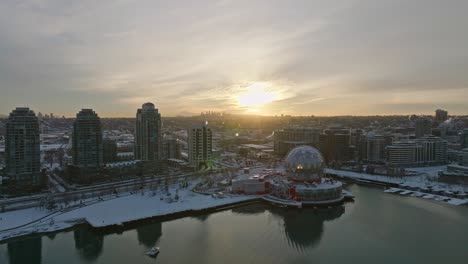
(153, 252)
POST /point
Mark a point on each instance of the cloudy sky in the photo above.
(266, 57)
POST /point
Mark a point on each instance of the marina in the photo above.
(439, 198)
(261, 233)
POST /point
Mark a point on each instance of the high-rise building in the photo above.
(22, 150)
(441, 115)
(87, 140)
(170, 148)
(200, 146)
(289, 138)
(423, 127)
(109, 149)
(464, 138)
(334, 144)
(148, 139)
(375, 147)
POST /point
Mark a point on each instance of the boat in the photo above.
(153, 252)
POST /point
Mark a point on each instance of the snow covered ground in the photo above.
(113, 211)
(424, 177)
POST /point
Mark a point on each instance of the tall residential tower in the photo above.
(87, 140)
(148, 134)
(200, 146)
(22, 150)
(441, 115)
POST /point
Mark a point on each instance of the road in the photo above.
(93, 190)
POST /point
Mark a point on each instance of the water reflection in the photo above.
(202, 217)
(52, 236)
(304, 228)
(25, 251)
(148, 235)
(253, 209)
(88, 244)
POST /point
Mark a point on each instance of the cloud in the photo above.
(326, 57)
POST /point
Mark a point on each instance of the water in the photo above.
(376, 228)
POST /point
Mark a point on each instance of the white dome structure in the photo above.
(304, 163)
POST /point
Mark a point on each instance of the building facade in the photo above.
(423, 127)
(441, 115)
(148, 139)
(335, 145)
(375, 148)
(434, 150)
(109, 149)
(404, 154)
(287, 139)
(200, 146)
(425, 151)
(87, 143)
(22, 150)
(170, 148)
(464, 138)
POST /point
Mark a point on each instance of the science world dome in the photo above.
(304, 163)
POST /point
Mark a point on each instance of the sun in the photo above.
(257, 94)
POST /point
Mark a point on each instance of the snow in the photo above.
(16, 218)
(56, 185)
(422, 179)
(450, 200)
(115, 211)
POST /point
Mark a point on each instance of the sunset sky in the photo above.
(347, 57)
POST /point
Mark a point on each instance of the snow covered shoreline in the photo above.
(114, 212)
(422, 182)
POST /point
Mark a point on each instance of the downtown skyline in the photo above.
(263, 58)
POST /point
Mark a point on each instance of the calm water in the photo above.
(377, 228)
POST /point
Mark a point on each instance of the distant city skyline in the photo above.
(322, 58)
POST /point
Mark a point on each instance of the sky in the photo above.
(267, 57)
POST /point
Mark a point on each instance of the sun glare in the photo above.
(257, 94)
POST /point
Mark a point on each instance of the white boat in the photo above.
(153, 252)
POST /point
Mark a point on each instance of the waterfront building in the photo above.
(334, 144)
(425, 151)
(404, 154)
(434, 150)
(148, 134)
(87, 146)
(423, 127)
(22, 150)
(200, 146)
(305, 182)
(459, 157)
(441, 115)
(455, 174)
(287, 139)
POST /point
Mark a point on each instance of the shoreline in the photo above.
(118, 227)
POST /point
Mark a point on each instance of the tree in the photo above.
(166, 185)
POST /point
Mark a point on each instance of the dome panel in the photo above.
(304, 163)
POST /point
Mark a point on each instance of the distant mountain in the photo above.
(186, 113)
